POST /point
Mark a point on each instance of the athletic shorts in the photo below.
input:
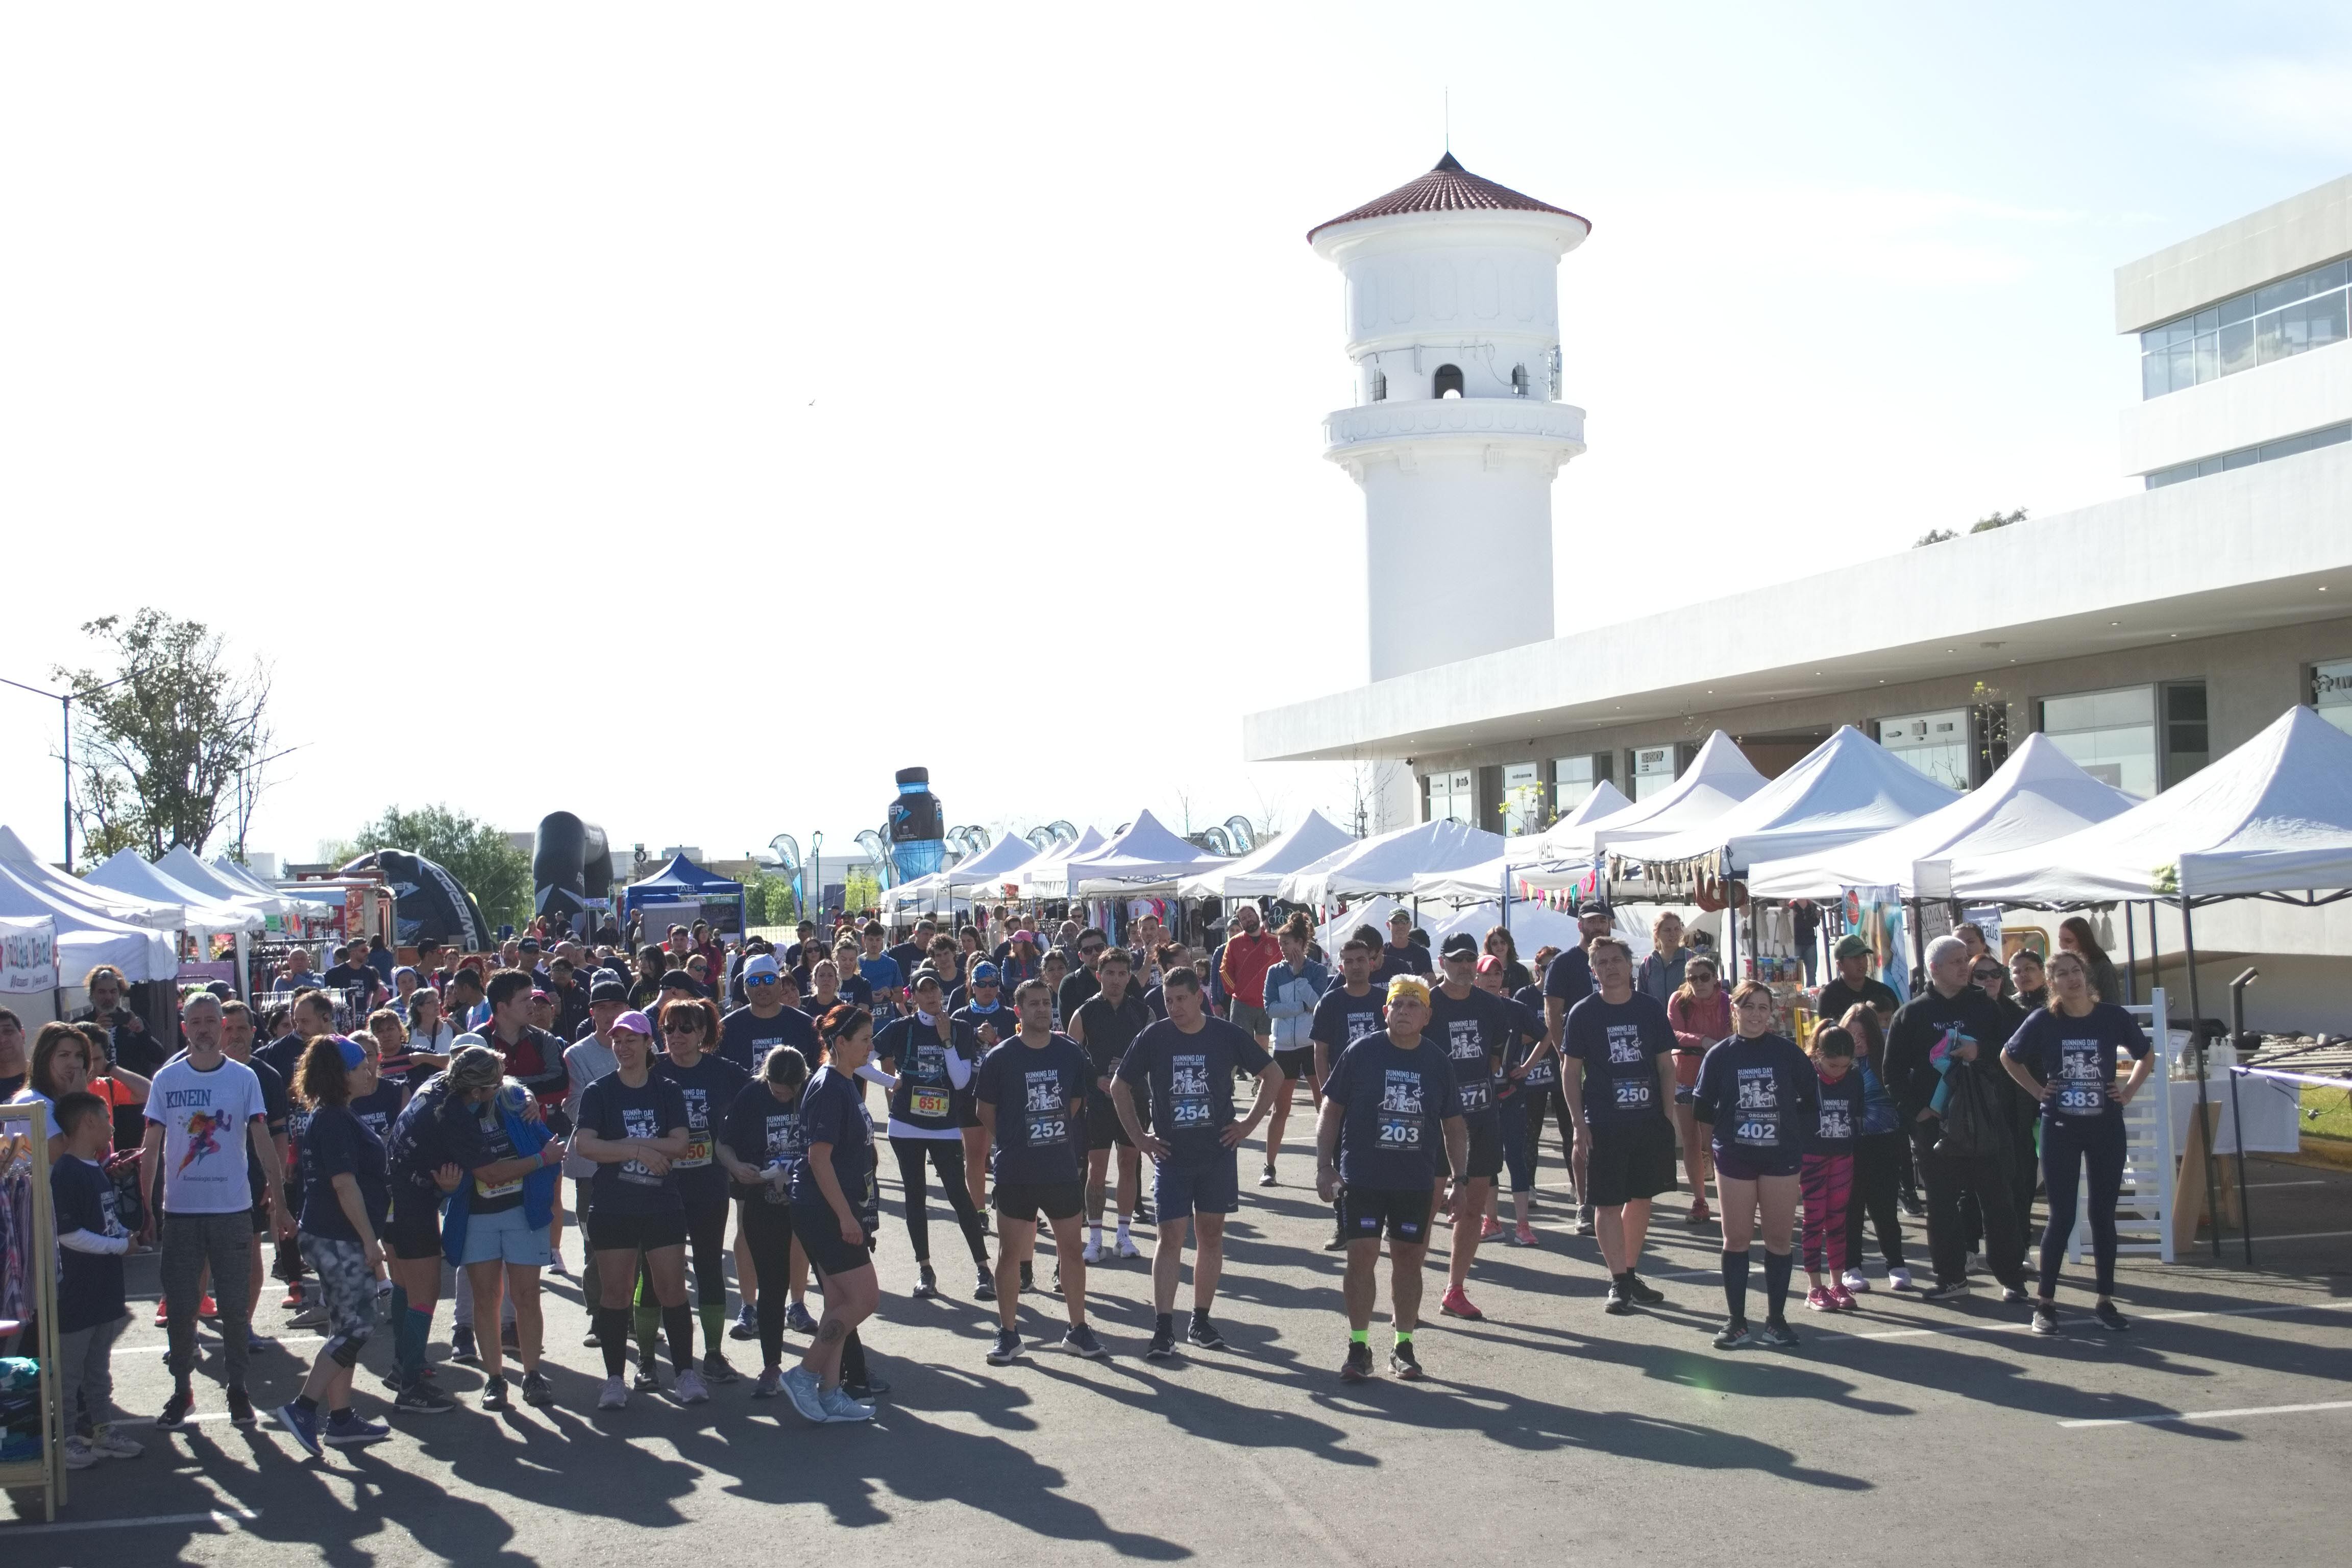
(1754, 1165)
(1686, 1068)
(1104, 1129)
(507, 1236)
(1296, 1064)
(415, 1231)
(1181, 1189)
(1368, 1213)
(1257, 1020)
(1630, 1159)
(819, 1232)
(1486, 1132)
(623, 1232)
(1022, 1201)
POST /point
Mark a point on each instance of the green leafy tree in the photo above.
(768, 900)
(168, 746)
(479, 856)
(1997, 520)
(860, 890)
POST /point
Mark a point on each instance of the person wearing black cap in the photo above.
(1474, 1029)
(1402, 955)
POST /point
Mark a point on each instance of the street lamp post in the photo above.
(812, 879)
(64, 699)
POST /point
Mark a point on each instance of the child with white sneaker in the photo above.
(91, 1314)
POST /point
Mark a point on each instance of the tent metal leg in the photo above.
(2197, 1051)
(2131, 957)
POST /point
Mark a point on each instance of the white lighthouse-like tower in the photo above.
(1453, 318)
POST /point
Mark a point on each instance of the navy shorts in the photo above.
(415, 1231)
(1022, 1201)
(1296, 1064)
(818, 1230)
(1209, 1185)
(1365, 1212)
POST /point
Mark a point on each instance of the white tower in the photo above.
(1452, 316)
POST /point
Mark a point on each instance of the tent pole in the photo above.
(2131, 957)
(2196, 1050)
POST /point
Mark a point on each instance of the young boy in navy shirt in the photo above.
(91, 1310)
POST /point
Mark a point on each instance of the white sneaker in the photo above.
(1127, 1247)
(1898, 1279)
(78, 1454)
(1094, 1250)
(689, 1389)
(615, 1394)
(1856, 1281)
(112, 1444)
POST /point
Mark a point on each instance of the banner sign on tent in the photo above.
(28, 956)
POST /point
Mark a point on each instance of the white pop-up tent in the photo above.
(953, 890)
(1042, 878)
(1259, 873)
(1146, 857)
(2038, 794)
(1554, 846)
(1388, 862)
(126, 872)
(72, 892)
(236, 884)
(87, 939)
(1844, 790)
(2274, 817)
(1718, 778)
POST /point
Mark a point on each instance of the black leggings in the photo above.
(2090, 1146)
(1877, 1177)
(768, 1227)
(705, 1238)
(946, 1156)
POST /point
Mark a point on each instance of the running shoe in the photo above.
(494, 1395)
(175, 1409)
(1058, 1277)
(536, 1390)
(208, 1309)
(1491, 1231)
(163, 1313)
(647, 1380)
(1266, 1180)
(1619, 1302)
(2109, 1318)
(800, 1386)
(240, 1409)
(839, 1407)
(614, 1394)
(1358, 1367)
(1006, 1350)
(1912, 1205)
(311, 1317)
(557, 1266)
(383, 1289)
(1856, 1281)
(421, 1398)
(927, 1284)
(747, 1323)
(1584, 1220)
(293, 1295)
(258, 1345)
(984, 1287)
(797, 1319)
(1028, 1277)
(1817, 1299)
(1403, 1362)
(1524, 1234)
(1842, 1299)
(1081, 1342)
(462, 1349)
(716, 1370)
(1643, 1293)
(591, 1340)
(1733, 1336)
(1899, 1279)
(1778, 1335)
(870, 1391)
(79, 1456)
(109, 1443)
(1093, 1250)
(2014, 1296)
(349, 1431)
(302, 1424)
(1163, 1345)
(1337, 1244)
(690, 1389)
(1204, 1334)
(2045, 1318)
(1699, 1217)
(509, 1338)
(1454, 1303)
(1127, 1247)
(1952, 1291)
(770, 1384)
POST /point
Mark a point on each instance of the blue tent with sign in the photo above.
(683, 882)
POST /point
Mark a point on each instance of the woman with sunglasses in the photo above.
(1761, 1095)
(631, 1124)
(709, 1084)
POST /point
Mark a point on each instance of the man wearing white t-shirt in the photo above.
(205, 1117)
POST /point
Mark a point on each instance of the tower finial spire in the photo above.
(1449, 119)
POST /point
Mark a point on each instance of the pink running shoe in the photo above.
(1492, 1232)
(1455, 1304)
(1526, 1235)
(1818, 1300)
(1842, 1299)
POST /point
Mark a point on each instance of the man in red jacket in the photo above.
(1249, 953)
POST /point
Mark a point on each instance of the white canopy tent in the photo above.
(1389, 862)
(1045, 872)
(125, 871)
(1491, 880)
(938, 893)
(2040, 794)
(1533, 925)
(87, 939)
(225, 879)
(104, 903)
(2274, 817)
(1259, 873)
(1145, 858)
(1718, 778)
(1844, 790)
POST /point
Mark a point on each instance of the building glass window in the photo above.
(1654, 770)
(2276, 321)
(1573, 778)
(2246, 457)
(1934, 744)
(2111, 735)
(1453, 796)
(2331, 692)
(1523, 794)
(2186, 746)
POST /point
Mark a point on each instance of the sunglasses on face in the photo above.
(1991, 974)
(753, 979)
(681, 1028)
(1092, 947)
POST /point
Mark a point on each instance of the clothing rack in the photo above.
(31, 1286)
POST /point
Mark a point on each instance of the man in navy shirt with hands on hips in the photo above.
(1030, 1095)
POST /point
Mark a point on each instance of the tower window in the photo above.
(1448, 383)
(1380, 383)
(1519, 381)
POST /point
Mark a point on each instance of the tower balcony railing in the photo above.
(1398, 420)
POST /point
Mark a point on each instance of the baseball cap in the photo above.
(1400, 917)
(607, 990)
(679, 980)
(1491, 965)
(1460, 944)
(636, 1023)
(1028, 936)
(1851, 945)
(983, 973)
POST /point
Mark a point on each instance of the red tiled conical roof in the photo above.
(1449, 188)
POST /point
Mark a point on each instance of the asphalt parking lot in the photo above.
(2217, 1425)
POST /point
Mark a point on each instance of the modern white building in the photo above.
(2145, 634)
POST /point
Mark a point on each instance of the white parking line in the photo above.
(2210, 1415)
(2019, 1328)
(223, 1519)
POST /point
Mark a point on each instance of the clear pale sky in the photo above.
(687, 415)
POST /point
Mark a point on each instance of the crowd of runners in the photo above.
(721, 1091)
